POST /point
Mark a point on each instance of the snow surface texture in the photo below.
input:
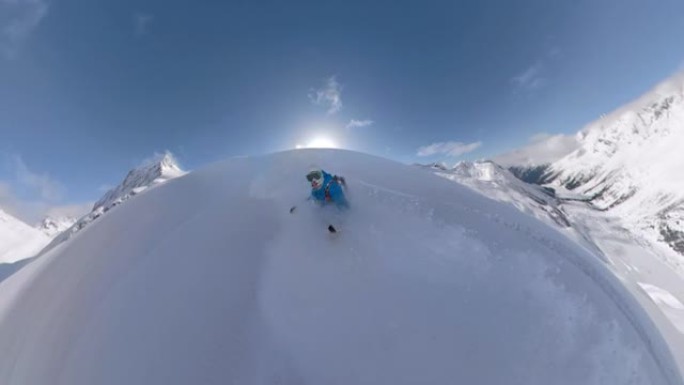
(638, 264)
(18, 240)
(497, 183)
(208, 279)
(630, 163)
(152, 173)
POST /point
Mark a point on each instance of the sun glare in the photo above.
(319, 142)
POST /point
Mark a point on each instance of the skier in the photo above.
(326, 188)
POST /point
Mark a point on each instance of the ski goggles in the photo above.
(314, 175)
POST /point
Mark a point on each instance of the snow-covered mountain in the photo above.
(631, 164)
(644, 270)
(52, 226)
(150, 174)
(531, 174)
(18, 240)
(154, 172)
(500, 184)
(210, 279)
(621, 194)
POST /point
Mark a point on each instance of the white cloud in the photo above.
(543, 148)
(158, 157)
(141, 22)
(453, 149)
(29, 211)
(18, 19)
(48, 188)
(105, 187)
(33, 211)
(75, 210)
(41, 194)
(8, 201)
(359, 123)
(530, 78)
(328, 96)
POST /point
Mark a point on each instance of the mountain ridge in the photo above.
(629, 164)
(151, 173)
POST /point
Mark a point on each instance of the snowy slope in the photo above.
(150, 174)
(641, 268)
(52, 226)
(500, 184)
(630, 163)
(209, 279)
(18, 240)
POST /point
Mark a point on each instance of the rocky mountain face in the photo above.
(531, 174)
(137, 180)
(628, 171)
(630, 164)
(149, 175)
(52, 226)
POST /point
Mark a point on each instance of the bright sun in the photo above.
(319, 142)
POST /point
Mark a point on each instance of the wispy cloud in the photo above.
(76, 210)
(554, 52)
(531, 78)
(141, 22)
(536, 75)
(33, 211)
(452, 149)
(18, 19)
(31, 195)
(105, 187)
(329, 96)
(46, 187)
(542, 148)
(359, 123)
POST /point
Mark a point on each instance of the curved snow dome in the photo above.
(209, 279)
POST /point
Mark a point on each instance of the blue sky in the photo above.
(88, 89)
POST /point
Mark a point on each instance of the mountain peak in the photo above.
(52, 226)
(161, 165)
(150, 173)
(158, 169)
(629, 163)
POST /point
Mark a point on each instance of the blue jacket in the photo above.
(330, 192)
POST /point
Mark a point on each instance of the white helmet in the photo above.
(315, 176)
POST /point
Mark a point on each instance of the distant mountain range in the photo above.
(19, 241)
(151, 174)
(52, 226)
(498, 183)
(629, 166)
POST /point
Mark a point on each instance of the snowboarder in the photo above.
(326, 188)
